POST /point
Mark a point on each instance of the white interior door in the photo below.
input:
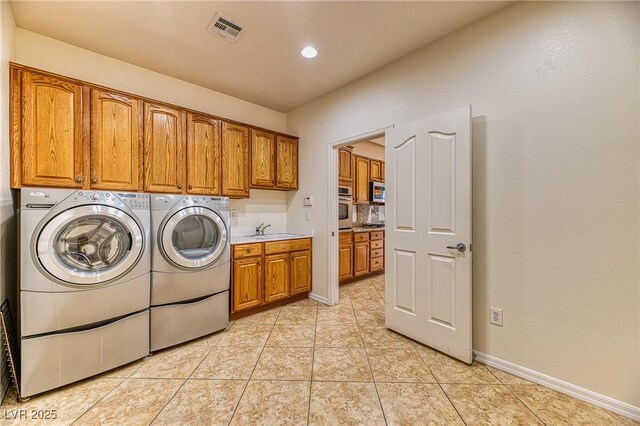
(428, 232)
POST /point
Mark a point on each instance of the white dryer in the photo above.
(84, 265)
(190, 266)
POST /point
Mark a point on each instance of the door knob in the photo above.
(460, 247)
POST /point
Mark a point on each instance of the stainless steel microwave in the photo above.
(376, 192)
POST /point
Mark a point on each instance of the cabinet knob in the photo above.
(78, 179)
(94, 180)
(189, 186)
(179, 186)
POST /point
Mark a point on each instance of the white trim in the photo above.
(572, 390)
(332, 208)
(318, 298)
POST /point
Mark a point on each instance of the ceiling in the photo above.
(264, 66)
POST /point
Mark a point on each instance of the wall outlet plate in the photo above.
(307, 201)
(495, 316)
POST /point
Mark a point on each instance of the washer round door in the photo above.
(194, 238)
(89, 245)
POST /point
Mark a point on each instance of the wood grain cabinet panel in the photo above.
(361, 180)
(300, 272)
(287, 162)
(263, 159)
(52, 139)
(375, 170)
(361, 259)
(276, 277)
(164, 148)
(235, 160)
(345, 262)
(116, 141)
(247, 283)
(382, 171)
(345, 165)
(203, 155)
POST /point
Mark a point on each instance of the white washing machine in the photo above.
(190, 267)
(84, 265)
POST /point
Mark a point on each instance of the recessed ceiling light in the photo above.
(309, 52)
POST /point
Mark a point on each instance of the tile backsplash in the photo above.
(368, 214)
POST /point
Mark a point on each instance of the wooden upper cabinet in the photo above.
(247, 283)
(287, 162)
(361, 180)
(116, 141)
(235, 160)
(300, 272)
(263, 159)
(52, 137)
(375, 170)
(382, 173)
(164, 148)
(203, 155)
(345, 164)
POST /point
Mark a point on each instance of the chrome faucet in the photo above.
(260, 228)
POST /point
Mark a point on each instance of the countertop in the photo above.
(243, 239)
(363, 229)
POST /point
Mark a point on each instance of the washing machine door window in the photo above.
(194, 238)
(89, 245)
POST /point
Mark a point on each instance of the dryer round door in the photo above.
(194, 238)
(89, 245)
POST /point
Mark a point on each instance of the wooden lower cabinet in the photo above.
(247, 283)
(300, 272)
(277, 277)
(345, 262)
(360, 258)
(287, 274)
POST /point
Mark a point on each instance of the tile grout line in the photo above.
(235, 410)
(451, 402)
(185, 381)
(313, 360)
(114, 388)
(517, 397)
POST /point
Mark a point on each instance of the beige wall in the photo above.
(555, 95)
(369, 149)
(52, 55)
(7, 215)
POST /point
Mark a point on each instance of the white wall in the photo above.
(555, 93)
(7, 215)
(369, 149)
(52, 55)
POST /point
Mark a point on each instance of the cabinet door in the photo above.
(164, 148)
(235, 160)
(361, 182)
(345, 262)
(300, 272)
(287, 159)
(203, 155)
(116, 140)
(247, 283)
(375, 170)
(52, 134)
(263, 159)
(361, 259)
(345, 164)
(276, 277)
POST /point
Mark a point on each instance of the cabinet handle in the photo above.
(94, 180)
(78, 179)
(179, 186)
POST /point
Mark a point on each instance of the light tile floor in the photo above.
(307, 363)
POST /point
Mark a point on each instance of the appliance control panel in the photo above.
(131, 200)
(222, 203)
(135, 201)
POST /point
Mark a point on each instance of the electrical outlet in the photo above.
(495, 316)
(234, 214)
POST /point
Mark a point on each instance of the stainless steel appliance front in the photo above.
(345, 207)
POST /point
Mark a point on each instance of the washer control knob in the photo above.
(95, 196)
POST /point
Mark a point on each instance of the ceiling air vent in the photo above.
(225, 28)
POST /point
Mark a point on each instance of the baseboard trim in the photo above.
(572, 390)
(318, 298)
